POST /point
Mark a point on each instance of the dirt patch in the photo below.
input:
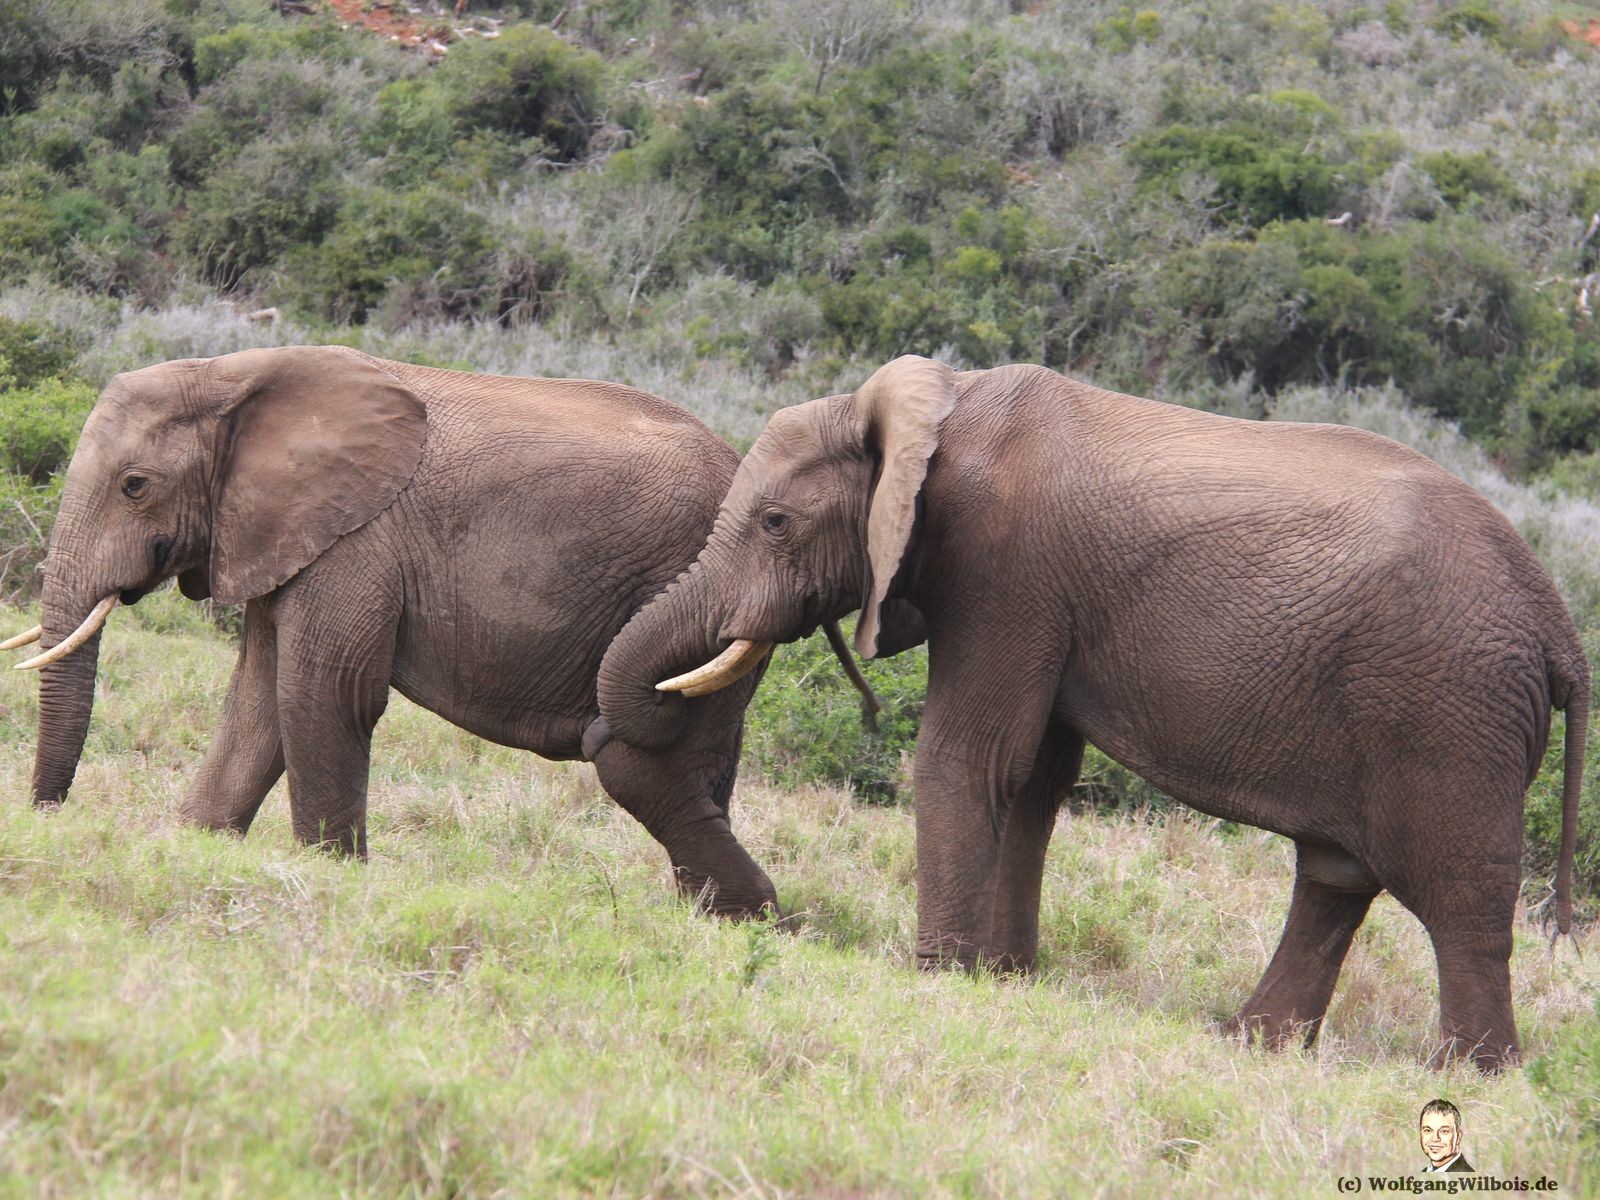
(432, 29)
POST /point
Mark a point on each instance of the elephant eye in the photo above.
(134, 485)
(774, 521)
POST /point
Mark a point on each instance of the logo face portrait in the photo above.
(1439, 1131)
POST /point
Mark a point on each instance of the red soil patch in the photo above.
(393, 21)
(1591, 34)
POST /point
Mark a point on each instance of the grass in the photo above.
(509, 1001)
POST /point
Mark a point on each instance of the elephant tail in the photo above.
(1576, 703)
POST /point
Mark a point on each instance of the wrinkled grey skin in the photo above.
(1306, 628)
(473, 541)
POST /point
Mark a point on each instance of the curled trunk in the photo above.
(667, 636)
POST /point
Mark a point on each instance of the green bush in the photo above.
(39, 426)
(277, 100)
(276, 194)
(1467, 180)
(1437, 307)
(425, 242)
(1475, 18)
(27, 515)
(805, 724)
(527, 83)
(1542, 817)
(1261, 177)
(31, 353)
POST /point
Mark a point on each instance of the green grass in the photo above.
(508, 999)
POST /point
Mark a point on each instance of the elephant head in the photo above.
(818, 522)
(231, 473)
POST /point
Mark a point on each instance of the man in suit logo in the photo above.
(1440, 1129)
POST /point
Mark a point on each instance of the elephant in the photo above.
(1306, 628)
(473, 541)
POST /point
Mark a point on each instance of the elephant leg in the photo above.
(334, 665)
(680, 794)
(1470, 925)
(245, 757)
(1332, 892)
(1014, 928)
(1476, 1020)
(982, 730)
(1458, 867)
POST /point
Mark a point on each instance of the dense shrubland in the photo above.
(1140, 196)
(1379, 215)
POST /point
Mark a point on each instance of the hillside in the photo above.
(509, 1000)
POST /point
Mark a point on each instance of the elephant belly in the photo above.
(1269, 774)
(531, 688)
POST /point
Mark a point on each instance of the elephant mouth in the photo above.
(134, 595)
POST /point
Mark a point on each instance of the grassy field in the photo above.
(509, 1001)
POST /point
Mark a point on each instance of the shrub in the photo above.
(31, 353)
(1467, 180)
(276, 194)
(425, 241)
(27, 515)
(278, 99)
(528, 83)
(1260, 178)
(1542, 816)
(1475, 18)
(1127, 29)
(39, 426)
(1437, 307)
(805, 724)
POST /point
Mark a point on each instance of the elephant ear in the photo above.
(314, 442)
(901, 407)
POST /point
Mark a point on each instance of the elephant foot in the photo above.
(707, 898)
(1274, 1032)
(947, 953)
(1007, 964)
(1488, 1059)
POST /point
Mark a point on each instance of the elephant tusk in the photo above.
(80, 635)
(23, 638)
(732, 665)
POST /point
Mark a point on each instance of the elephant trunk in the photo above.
(66, 695)
(669, 635)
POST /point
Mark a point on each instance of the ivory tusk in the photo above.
(23, 638)
(732, 665)
(80, 635)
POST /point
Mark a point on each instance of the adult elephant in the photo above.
(1306, 628)
(474, 541)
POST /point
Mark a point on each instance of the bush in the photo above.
(1436, 307)
(1260, 177)
(27, 515)
(278, 193)
(31, 353)
(1542, 817)
(527, 83)
(280, 100)
(425, 243)
(39, 426)
(805, 724)
(1467, 180)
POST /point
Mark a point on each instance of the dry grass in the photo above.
(507, 1000)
